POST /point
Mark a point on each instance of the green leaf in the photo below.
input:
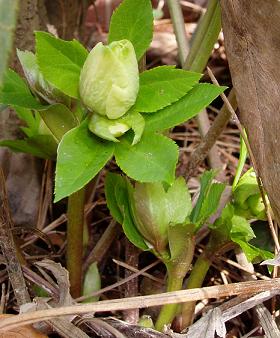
(133, 20)
(31, 119)
(205, 185)
(59, 119)
(15, 92)
(241, 229)
(42, 146)
(210, 202)
(181, 244)
(132, 233)
(137, 124)
(60, 62)
(36, 81)
(129, 226)
(161, 86)
(8, 19)
(80, 157)
(241, 162)
(92, 283)
(153, 159)
(117, 197)
(253, 253)
(113, 181)
(179, 202)
(187, 107)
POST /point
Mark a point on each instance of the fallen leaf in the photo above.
(22, 332)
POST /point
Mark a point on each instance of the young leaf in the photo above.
(113, 181)
(36, 81)
(31, 119)
(181, 245)
(133, 20)
(187, 107)
(15, 92)
(205, 184)
(179, 202)
(161, 86)
(253, 253)
(92, 283)
(131, 231)
(117, 197)
(241, 229)
(59, 119)
(42, 146)
(80, 157)
(210, 202)
(67, 59)
(153, 159)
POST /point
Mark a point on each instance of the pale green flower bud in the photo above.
(107, 129)
(109, 80)
(247, 197)
(155, 209)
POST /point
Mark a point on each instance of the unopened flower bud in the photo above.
(107, 129)
(109, 79)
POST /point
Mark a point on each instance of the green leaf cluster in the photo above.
(233, 228)
(54, 114)
(160, 217)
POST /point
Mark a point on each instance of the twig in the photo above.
(8, 247)
(216, 129)
(131, 268)
(119, 283)
(131, 288)
(252, 157)
(103, 245)
(182, 296)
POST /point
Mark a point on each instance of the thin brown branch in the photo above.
(216, 129)
(8, 247)
(131, 288)
(219, 291)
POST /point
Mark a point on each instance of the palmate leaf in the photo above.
(80, 157)
(67, 59)
(153, 159)
(133, 20)
(117, 197)
(15, 92)
(187, 107)
(161, 86)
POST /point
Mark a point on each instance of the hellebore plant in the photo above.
(160, 218)
(95, 106)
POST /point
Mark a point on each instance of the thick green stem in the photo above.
(176, 272)
(205, 37)
(75, 215)
(168, 312)
(195, 280)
